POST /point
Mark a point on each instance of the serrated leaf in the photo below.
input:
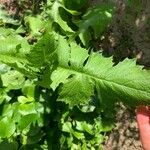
(43, 50)
(79, 75)
(13, 51)
(13, 48)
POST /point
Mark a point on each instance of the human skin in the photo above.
(143, 120)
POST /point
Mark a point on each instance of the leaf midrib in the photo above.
(102, 79)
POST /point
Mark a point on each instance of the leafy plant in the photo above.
(95, 19)
(55, 94)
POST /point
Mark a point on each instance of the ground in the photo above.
(125, 136)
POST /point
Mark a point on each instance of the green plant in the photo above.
(55, 94)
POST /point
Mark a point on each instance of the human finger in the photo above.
(143, 120)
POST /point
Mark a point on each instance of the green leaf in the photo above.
(16, 115)
(6, 32)
(23, 99)
(26, 109)
(3, 94)
(13, 80)
(78, 135)
(43, 50)
(67, 127)
(7, 110)
(97, 18)
(34, 135)
(26, 121)
(56, 17)
(13, 49)
(35, 24)
(45, 78)
(7, 127)
(29, 89)
(3, 68)
(71, 91)
(80, 74)
(107, 125)
(85, 127)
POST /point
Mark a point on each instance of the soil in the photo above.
(125, 135)
(17, 9)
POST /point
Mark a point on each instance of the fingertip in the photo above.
(143, 120)
(143, 110)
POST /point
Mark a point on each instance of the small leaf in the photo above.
(35, 24)
(13, 79)
(67, 127)
(27, 120)
(7, 110)
(83, 126)
(23, 99)
(78, 135)
(26, 109)
(28, 89)
(7, 127)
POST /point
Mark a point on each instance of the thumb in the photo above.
(143, 120)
